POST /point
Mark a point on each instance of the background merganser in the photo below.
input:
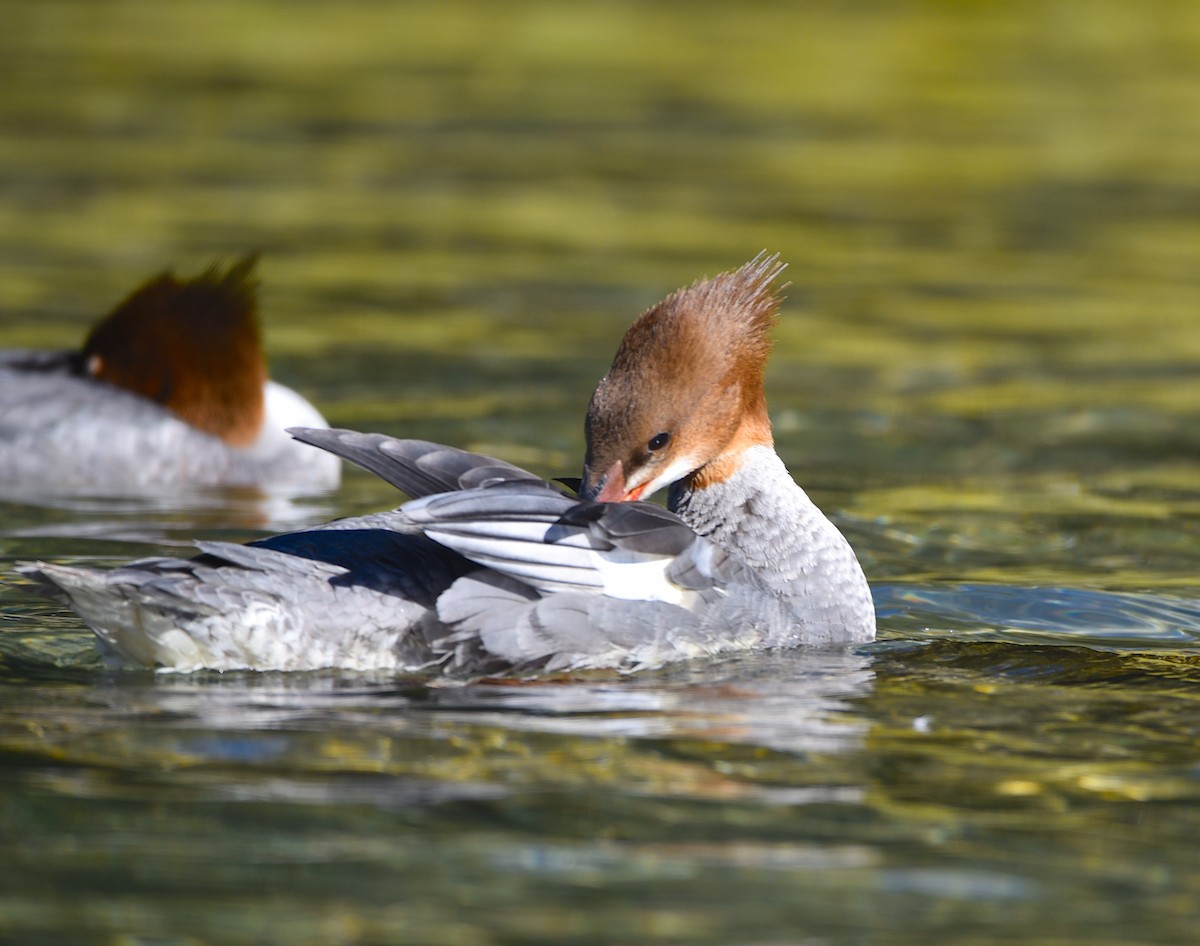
(491, 569)
(169, 392)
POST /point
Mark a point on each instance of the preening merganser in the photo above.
(169, 392)
(490, 569)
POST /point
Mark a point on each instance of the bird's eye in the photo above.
(658, 441)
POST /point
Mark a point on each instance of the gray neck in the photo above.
(763, 517)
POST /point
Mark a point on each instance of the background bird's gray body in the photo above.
(66, 434)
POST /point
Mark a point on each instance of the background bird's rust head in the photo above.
(192, 345)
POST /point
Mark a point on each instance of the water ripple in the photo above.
(1080, 616)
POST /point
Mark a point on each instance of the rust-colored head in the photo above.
(684, 396)
(191, 345)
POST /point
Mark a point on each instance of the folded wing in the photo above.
(416, 467)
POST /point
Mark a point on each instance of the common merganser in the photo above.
(492, 570)
(168, 393)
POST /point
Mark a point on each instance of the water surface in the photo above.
(986, 371)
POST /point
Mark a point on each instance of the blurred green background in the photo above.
(986, 370)
(990, 211)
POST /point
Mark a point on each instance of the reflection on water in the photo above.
(787, 702)
(987, 368)
(397, 795)
(160, 520)
(326, 733)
